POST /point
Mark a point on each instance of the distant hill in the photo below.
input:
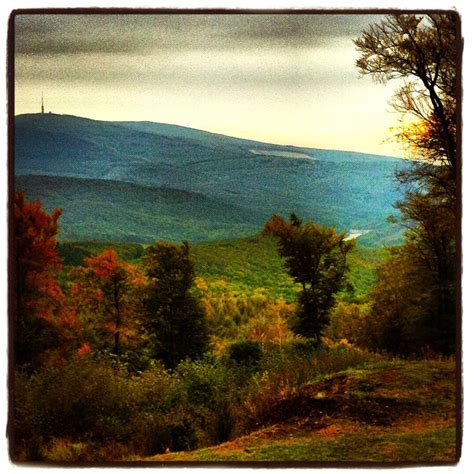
(99, 209)
(139, 181)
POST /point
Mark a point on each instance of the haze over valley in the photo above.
(142, 181)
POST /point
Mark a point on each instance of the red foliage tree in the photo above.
(38, 295)
(104, 295)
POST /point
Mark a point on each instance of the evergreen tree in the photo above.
(175, 318)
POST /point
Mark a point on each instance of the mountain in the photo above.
(139, 181)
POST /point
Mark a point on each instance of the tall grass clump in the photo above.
(283, 372)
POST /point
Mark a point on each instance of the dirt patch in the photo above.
(302, 405)
(381, 411)
(341, 397)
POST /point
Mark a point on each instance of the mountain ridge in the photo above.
(348, 190)
(133, 123)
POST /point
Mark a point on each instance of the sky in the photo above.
(279, 78)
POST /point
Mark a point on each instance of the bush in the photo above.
(91, 410)
(87, 401)
(209, 393)
(350, 321)
(245, 353)
(62, 450)
(78, 400)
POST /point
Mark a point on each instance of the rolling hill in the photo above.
(241, 267)
(140, 181)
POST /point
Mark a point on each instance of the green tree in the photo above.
(315, 257)
(420, 51)
(175, 318)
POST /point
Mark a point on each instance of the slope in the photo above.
(401, 411)
(348, 190)
(119, 211)
(239, 266)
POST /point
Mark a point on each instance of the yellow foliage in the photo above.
(201, 284)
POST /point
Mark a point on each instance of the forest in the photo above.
(293, 344)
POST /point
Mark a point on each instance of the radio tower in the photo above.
(42, 103)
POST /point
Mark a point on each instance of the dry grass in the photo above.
(416, 425)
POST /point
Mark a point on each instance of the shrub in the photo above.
(350, 321)
(63, 450)
(77, 399)
(245, 353)
(209, 393)
(90, 410)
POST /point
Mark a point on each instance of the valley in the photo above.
(257, 296)
(157, 181)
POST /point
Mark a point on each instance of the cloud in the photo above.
(282, 51)
(42, 34)
(286, 71)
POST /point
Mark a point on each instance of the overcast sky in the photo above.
(288, 79)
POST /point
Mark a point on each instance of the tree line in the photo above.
(113, 306)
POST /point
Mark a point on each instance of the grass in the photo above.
(241, 267)
(331, 445)
(400, 411)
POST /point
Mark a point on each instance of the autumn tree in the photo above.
(175, 318)
(398, 322)
(420, 52)
(38, 296)
(316, 257)
(105, 292)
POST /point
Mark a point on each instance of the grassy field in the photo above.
(239, 266)
(386, 412)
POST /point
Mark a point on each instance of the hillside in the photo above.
(223, 186)
(401, 412)
(99, 209)
(239, 266)
(252, 264)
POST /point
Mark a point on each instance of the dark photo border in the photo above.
(11, 239)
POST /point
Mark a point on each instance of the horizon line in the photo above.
(213, 133)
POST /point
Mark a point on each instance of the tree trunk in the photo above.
(118, 322)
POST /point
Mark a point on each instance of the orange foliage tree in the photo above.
(104, 294)
(38, 295)
(420, 51)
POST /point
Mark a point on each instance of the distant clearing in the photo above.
(283, 154)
